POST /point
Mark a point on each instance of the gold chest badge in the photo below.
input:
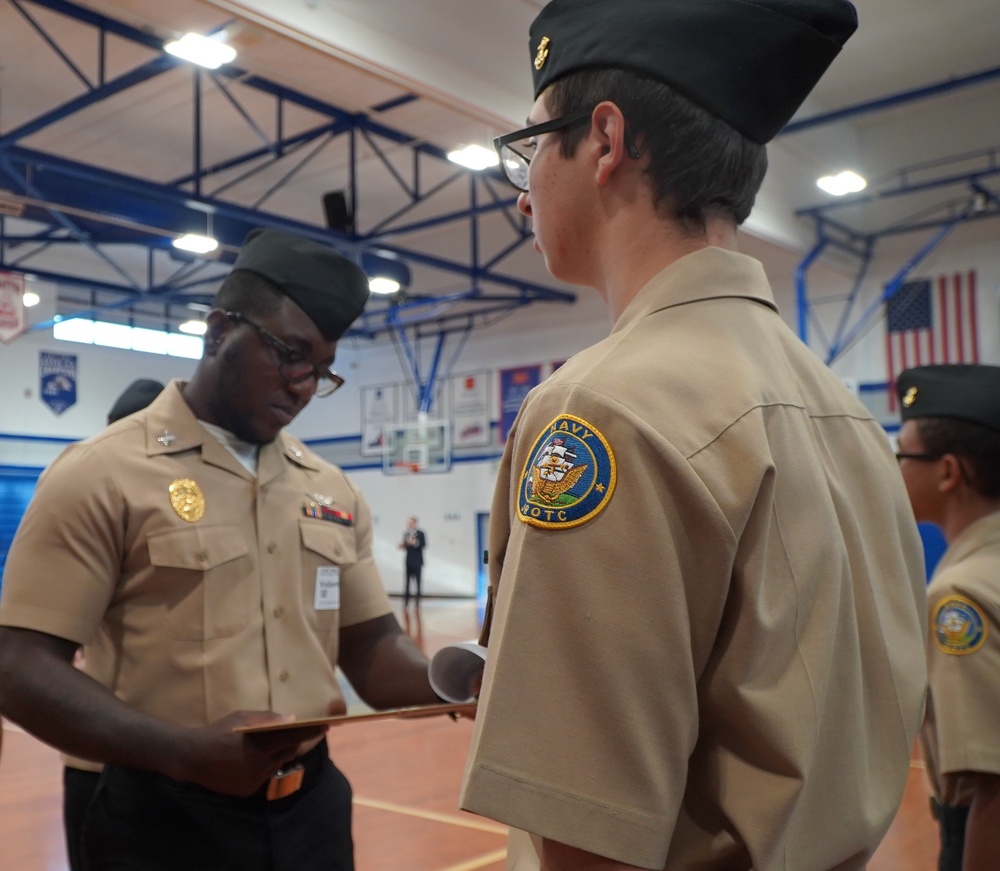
(187, 500)
(543, 53)
(910, 398)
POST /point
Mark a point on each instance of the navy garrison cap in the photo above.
(134, 398)
(957, 390)
(749, 62)
(328, 287)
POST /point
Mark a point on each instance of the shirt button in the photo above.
(271, 548)
(203, 556)
(278, 612)
(283, 677)
(337, 551)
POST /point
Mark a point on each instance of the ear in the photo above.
(608, 129)
(952, 475)
(218, 327)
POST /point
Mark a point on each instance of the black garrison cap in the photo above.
(328, 287)
(749, 62)
(134, 398)
(959, 390)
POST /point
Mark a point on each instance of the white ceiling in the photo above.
(467, 62)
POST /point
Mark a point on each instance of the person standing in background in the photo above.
(705, 642)
(949, 455)
(413, 543)
(134, 398)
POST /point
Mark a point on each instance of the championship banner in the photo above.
(57, 380)
(378, 411)
(470, 405)
(13, 319)
(515, 384)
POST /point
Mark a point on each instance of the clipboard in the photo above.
(341, 719)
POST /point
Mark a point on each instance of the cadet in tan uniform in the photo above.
(949, 454)
(706, 645)
(217, 571)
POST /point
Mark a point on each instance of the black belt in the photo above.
(292, 777)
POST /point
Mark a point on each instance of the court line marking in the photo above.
(450, 819)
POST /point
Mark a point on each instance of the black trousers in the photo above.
(413, 571)
(79, 788)
(952, 822)
(138, 821)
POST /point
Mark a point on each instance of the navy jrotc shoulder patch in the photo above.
(569, 476)
(959, 626)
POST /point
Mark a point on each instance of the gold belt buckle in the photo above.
(285, 783)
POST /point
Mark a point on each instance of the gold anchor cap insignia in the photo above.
(910, 397)
(543, 53)
(187, 500)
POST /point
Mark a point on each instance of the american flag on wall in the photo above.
(931, 321)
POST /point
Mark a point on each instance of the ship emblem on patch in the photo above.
(569, 477)
(959, 626)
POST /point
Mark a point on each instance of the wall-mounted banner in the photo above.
(470, 403)
(378, 411)
(57, 377)
(13, 320)
(515, 384)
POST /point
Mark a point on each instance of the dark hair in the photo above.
(248, 293)
(976, 446)
(697, 164)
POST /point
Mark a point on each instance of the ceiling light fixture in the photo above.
(383, 286)
(474, 157)
(193, 328)
(196, 243)
(845, 182)
(202, 50)
(30, 298)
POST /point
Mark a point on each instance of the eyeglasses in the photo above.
(515, 154)
(294, 367)
(900, 455)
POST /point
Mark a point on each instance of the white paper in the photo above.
(454, 669)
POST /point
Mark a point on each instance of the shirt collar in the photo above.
(710, 273)
(171, 428)
(981, 533)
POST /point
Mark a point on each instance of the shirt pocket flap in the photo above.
(331, 541)
(200, 549)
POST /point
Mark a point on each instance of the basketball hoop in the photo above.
(403, 467)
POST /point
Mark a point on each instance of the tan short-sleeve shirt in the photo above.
(960, 731)
(198, 588)
(707, 652)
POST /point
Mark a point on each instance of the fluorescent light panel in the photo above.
(90, 332)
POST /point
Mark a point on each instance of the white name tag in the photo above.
(327, 588)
